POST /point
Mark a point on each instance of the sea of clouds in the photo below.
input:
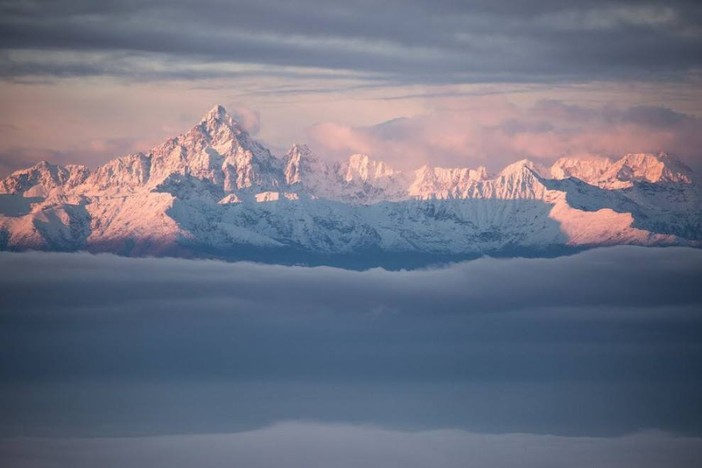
(111, 361)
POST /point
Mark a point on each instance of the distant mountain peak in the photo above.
(655, 167)
(218, 114)
(44, 164)
(300, 149)
(523, 166)
(629, 169)
(361, 167)
(217, 110)
(217, 121)
(216, 189)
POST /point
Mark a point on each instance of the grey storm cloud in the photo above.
(418, 41)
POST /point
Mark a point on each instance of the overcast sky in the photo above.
(84, 81)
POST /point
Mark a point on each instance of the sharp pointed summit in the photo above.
(218, 117)
(218, 111)
(632, 168)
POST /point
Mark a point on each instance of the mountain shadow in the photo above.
(392, 235)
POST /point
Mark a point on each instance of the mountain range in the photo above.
(216, 192)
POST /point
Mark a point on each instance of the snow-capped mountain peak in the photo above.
(653, 168)
(218, 150)
(219, 122)
(217, 112)
(299, 164)
(40, 179)
(220, 127)
(630, 169)
(362, 167)
(519, 168)
(588, 169)
(214, 189)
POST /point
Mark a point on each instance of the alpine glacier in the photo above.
(214, 191)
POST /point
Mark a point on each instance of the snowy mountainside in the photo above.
(215, 191)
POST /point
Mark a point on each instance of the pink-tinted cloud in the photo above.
(473, 131)
(248, 118)
(497, 133)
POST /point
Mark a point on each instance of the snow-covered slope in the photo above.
(215, 191)
(625, 172)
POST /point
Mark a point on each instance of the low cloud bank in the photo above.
(605, 342)
(302, 445)
(618, 276)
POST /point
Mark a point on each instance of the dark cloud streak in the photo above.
(407, 42)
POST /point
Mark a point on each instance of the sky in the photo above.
(115, 361)
(442, 82)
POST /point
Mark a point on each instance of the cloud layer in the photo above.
(605, 342)
(494, 133)
(303, 445)
(434, 42)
